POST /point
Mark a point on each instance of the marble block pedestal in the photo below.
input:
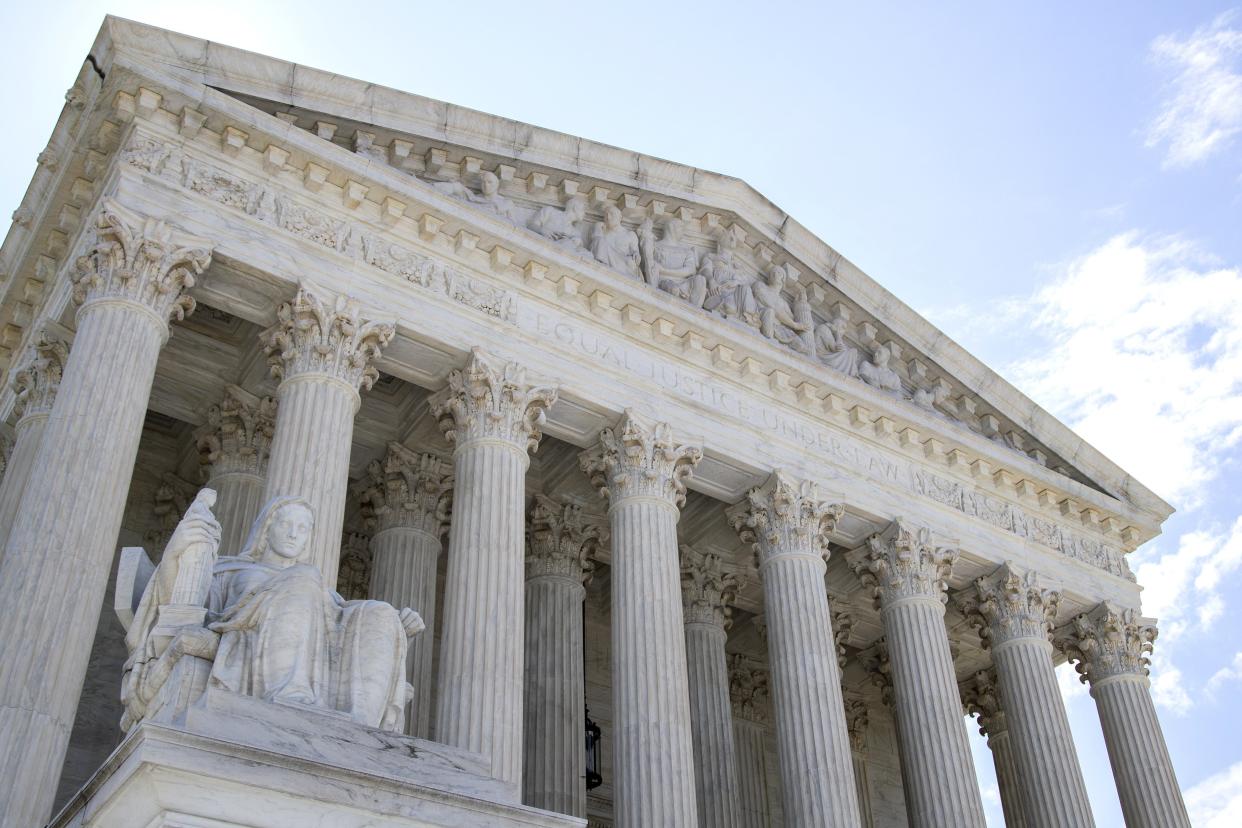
(234, 760)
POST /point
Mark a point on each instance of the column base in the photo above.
(245, 762)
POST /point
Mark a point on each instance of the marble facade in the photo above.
(627, 438)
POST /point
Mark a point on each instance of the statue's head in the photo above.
(489, 182)
(612, 217)
(672, 230)
(281, 533)
(576, 208)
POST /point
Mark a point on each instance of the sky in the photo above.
(1058, 186)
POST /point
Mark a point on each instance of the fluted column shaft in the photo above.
(752, 774)
(481, 666)
(493, 415)
(239, 498)
(310, 458)
(558, 561)
(1110, 646)
(1007, 779)
(715, 752)
(554, 770)
(403, 573)
(1014, 615)
(862, 785)
(788, 523)
(27, 435)
(642, 471)
(1043, 745)
(1142, 769)
(60, 547)
(234, 445)
(908, 576)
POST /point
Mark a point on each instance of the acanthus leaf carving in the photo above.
(237, 436)
(492, 400)
(407, 489)
(708, 590)
(321, 334)
(637, 458)
(1108, 641)
(141, 260)
(981, 698)
(785, 517)
(561, 541)
(857, 719)
(748, 689)
(1008, 605)
(36, 382)
(903, 562)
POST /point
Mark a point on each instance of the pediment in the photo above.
(745, 266)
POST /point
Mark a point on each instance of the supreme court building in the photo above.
(703, 526)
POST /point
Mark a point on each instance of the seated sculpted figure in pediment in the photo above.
(269, 626)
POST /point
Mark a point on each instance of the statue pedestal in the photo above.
(235, 760)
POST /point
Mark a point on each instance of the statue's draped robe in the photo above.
(284, 638)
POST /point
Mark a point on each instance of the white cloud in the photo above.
(1182, 588)
(1202, 107)
(1145, 359)
(1233, 672)
(1216, 801)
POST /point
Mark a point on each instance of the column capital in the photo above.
(875, 662)
(981, 698)
(407, 489)
(323, 334)
(354, 579)
(842, 629)
(1008, 605)
(237, 436)
(560, 541)
(856, 721)
(142, 261)
(748, 689)
(1108, 641)
(168, 504)
(707, 590)
(785, 516)
(902, 562)
(492, 400)
(637, 458)
(36, 382)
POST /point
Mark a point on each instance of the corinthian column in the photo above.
(707, 593)
(981, 697)
(643, 472)
(322, 352)
(233, 447)
(908, 575)
(35, 385)
(1110, 646)
(748, 692)
(1014, 616)
(788, 525)
(494, 416)
(406, 500)
(558, 561)
(61, 543)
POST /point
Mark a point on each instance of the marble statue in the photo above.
(561, 225)
(364, 145)
(488, 198)
(800, 337)
(931, 398)
(878, 374)
(774, 308)
(615, 245)
(728, 292)
(266, 623)
(832, 348)
(672, 265)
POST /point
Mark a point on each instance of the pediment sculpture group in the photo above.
(262, 624)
